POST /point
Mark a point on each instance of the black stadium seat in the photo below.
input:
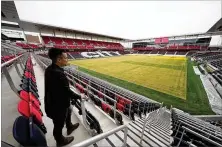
(27, 133)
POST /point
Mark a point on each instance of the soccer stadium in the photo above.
(156, 91)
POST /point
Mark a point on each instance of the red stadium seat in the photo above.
(26, 109)
(36, 113)
(23, 108)
(100, 95)
(122, 102)
(34, 100)
(106, 107)
(68, 43)
(120, 107)
(79, 87)
(127, 101)
(29, 97)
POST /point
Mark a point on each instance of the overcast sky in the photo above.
(127, 19)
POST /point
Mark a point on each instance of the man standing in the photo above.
(58, 96)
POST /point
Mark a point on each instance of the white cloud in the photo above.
(127, 19)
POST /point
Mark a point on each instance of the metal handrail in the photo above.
(10, 61)
(150, 116)
(5, 71)
(150, 119)
(102, 136)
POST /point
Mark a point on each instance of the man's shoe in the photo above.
(65, 141)
(71, 128)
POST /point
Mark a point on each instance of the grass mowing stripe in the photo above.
(154, 65)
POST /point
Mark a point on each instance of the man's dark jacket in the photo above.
(57, 91)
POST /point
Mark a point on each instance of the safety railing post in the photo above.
(9, 79)
(125, 136)
(130, 110)
(20, 63)
(144, 108)
(83, 112)
(144, 126)
(115, 113)
(16, 68)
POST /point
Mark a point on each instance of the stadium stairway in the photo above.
(156, 133)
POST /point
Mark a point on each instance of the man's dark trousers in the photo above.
(62, 117)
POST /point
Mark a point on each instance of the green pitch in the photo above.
(161, 78)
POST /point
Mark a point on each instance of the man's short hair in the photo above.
(54, 53)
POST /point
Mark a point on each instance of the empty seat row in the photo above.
(6, 58)
(171, 47)
(27, 45)
(29, 129)
(188, 131)
(124, 105)
(98, 100)
(136, 107)
(76, 55)
(67, 43)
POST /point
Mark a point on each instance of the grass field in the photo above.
(165, 79)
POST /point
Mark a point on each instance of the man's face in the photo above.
(62, 60)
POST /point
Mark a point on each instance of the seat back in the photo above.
(37, 137)
(27, 133)
(21, 131)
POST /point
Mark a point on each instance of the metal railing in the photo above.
(102, 136)
(14, 61)
(150, 119)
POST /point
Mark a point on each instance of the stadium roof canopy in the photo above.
(216, 27)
